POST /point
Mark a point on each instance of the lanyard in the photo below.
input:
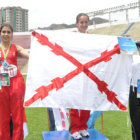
(5, 54)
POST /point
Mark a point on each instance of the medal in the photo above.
(5, 64)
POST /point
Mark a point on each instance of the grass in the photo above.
(114, 123)
(37, 122)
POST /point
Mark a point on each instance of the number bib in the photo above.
(11, 70)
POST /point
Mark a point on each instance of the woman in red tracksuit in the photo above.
(78, 123)
(12, 90)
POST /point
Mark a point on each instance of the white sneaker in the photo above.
(84, 133)
(76, 135)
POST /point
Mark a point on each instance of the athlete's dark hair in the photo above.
(79, 15)
(6, 25)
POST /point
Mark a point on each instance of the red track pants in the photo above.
(78, 122)
(11, 104)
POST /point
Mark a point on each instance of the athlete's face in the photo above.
(82, 24)
(6, 34)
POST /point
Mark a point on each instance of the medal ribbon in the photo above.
(5, 54)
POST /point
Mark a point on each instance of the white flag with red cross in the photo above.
(76, 70)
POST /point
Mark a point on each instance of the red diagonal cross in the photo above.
(58, 83)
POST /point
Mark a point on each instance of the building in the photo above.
(16, 16)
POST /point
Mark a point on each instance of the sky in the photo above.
(43, 13)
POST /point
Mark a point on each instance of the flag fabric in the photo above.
(25, 127)
(61, 119)
(75, 70)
